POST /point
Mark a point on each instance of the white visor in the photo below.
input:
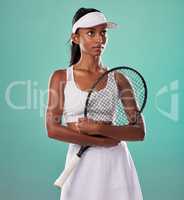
(92, 19)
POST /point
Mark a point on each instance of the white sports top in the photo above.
(75, 98)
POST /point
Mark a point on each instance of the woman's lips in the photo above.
(99, 48)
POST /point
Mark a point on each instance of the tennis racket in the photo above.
(112, 96)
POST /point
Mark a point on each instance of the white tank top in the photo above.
(75, 98)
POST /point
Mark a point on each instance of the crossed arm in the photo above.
(88, 130)
(54, 113)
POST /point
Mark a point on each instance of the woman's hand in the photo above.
(87, 126)
(91, 127)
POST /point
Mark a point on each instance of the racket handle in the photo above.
(66, 173)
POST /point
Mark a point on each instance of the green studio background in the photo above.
(33, 45)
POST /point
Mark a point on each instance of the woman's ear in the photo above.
(75, 38)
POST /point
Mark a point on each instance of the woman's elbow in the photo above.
(142, 133)
(142, 129)
(50, 130)
(50, 125)
(50, 133)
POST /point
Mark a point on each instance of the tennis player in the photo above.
(106, 170)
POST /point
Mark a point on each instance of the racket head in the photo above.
(95, 95)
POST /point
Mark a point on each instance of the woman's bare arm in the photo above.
(54, 113)
(125, 132)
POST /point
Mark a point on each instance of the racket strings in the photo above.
(137, 85)
(101, 106)
(107, 104)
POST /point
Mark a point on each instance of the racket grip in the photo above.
(66, 173)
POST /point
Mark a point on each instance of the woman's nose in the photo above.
(99, 38)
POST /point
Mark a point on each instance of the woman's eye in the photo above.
(104, 32)
(90, 32)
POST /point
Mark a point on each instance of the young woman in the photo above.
(106, 170)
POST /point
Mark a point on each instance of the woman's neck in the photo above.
(89, 63)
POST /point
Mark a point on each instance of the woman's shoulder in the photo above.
(58, 75)
(121, 80)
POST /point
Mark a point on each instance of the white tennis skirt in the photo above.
(103, 173)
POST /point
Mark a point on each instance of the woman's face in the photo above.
(91, 40)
